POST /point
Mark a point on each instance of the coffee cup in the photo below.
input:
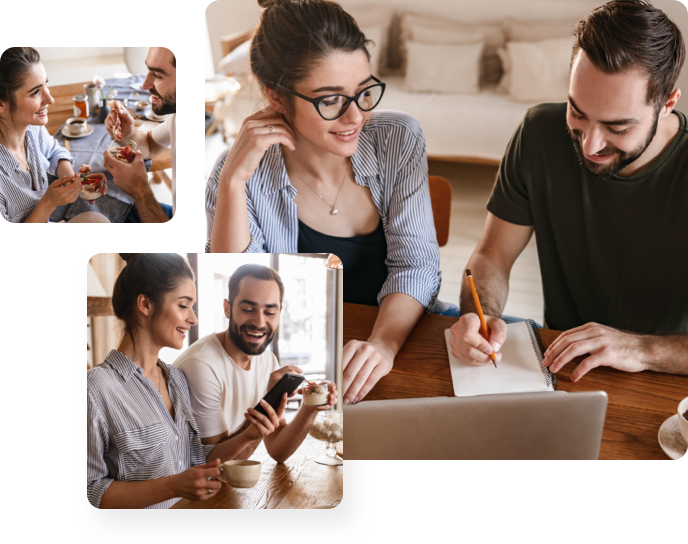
(682, 421)
(76, 126)
(240, 472)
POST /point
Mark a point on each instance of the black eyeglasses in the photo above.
(333, 106)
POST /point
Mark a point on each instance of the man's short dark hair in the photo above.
(256, 271)
(626, 34)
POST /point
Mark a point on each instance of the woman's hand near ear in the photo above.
(253, 140)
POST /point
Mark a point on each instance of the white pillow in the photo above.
(539, 71)
(413, 24)
(426, 34)
(375, 34)
(375, 17)
(443, 68)
(534, 31)
(237, 62)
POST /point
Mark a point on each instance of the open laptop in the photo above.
(544, 425)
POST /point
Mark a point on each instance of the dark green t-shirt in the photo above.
(613, 251)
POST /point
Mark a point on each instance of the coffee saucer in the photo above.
(67, 134)
(151, 116)
(671, 439)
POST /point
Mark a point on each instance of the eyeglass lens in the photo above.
(334, 106)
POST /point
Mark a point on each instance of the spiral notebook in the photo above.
(519, 371)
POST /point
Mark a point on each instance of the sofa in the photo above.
(468, 71)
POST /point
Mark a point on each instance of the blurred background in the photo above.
(468, 99)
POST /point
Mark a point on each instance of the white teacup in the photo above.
(241, 472)
(76, 126)
(682, 421)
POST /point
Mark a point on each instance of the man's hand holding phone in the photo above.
(277, 374)
(262, 426)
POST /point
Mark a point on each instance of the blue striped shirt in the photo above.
(131, 435)
(390, 161)
(18, 198)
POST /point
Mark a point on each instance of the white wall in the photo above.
(64, 53)
(229, 16)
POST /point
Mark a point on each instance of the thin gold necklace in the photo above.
(333, 209)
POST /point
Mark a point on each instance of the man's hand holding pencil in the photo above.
(467, 343)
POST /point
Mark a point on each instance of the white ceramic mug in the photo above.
(240, 472)
(76, 126)
(682, 421)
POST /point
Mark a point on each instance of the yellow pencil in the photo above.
(493, 356)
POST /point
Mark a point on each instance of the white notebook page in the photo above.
(518, 371)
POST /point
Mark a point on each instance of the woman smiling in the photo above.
(144, 446)
(27, 152)
(318, 171)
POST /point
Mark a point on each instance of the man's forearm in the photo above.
(148, 207)
(491, 282)
(666, 353)
(233, 447)
(398, 314)
(286, 440)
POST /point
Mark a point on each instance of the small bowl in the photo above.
(138, 123)
(142, 105)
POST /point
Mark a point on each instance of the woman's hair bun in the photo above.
(128, 256)
(268, 3)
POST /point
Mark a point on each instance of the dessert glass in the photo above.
(329, 428)
(316, 393)
(91, 183)
(118, 151)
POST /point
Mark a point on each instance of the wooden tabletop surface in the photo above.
(638, 402)
(63, 109)
(298, 483)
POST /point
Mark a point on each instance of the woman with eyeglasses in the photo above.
(318, 171)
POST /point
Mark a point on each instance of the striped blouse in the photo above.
(131, 435)
(17, 197)
(390, 161)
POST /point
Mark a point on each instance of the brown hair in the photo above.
(294, 35)
(15, 64)
(256, 271)
(150, 274)
(625, 34)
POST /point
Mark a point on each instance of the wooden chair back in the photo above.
(440, 197)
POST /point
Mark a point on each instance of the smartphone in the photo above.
(287, 384)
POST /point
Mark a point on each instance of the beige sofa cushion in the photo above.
(420, 28)
(379, 17)
(538, 71)
(535, 31)
(443, 68)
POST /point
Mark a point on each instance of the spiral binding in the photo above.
(539, 348)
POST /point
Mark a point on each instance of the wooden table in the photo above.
(298, 483)
(63, 109)
(638, 402)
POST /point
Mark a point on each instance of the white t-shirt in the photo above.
(165, 135)
(220, 390)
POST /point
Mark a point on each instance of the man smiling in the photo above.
(603, 182)
(231, 371)
(161, 82)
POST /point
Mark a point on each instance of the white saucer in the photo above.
(151, 116)
(671, 439)
(67, 134)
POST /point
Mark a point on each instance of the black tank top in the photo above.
(363, 258)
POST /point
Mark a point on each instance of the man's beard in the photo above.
(624, 157)
(235, 335)
(167, 106)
